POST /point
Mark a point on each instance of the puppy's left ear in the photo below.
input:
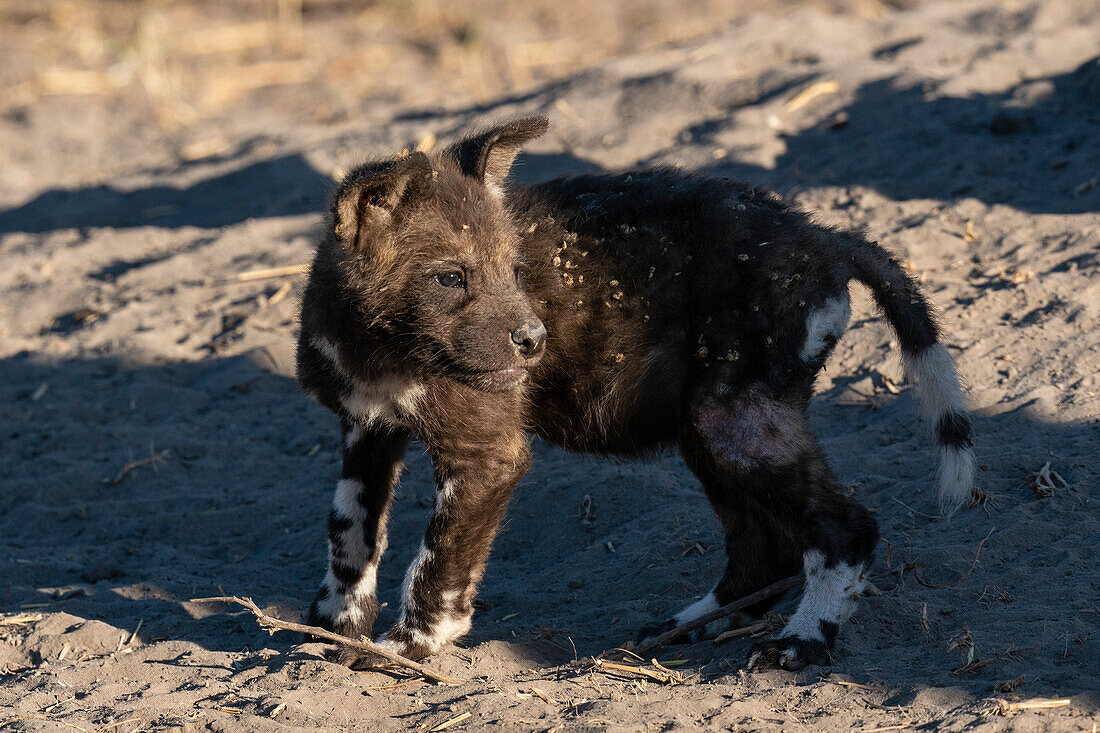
(488, 156)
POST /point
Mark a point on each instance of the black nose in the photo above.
(529, 338)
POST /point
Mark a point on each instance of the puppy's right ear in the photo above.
(369, 197)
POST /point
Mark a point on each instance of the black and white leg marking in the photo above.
(346, 602)
(829, 599)
(689, 613)
(436, 600)
(437, 597)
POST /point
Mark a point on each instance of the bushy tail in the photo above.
(927, 363)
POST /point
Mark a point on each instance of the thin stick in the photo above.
(846, 683)
(268, 272)
(750, 629)
(453, 721)
(272, 624)
(774, 589)
(138, 464)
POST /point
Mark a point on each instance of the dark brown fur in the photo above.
(675, 307)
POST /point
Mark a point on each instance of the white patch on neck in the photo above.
(831, 595)
(388, 399)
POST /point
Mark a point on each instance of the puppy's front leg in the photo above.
(373, 456)
(474, 481)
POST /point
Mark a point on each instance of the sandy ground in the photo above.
(156, 448)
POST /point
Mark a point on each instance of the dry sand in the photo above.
(156, 448)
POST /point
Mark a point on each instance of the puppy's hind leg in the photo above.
(755, 454)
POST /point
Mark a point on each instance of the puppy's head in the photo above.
(431, 257)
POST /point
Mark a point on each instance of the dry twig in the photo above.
(661, 674)
(130, 466)
(1045, 481)
(272, 624)
(753, 628)
(453, 721)
(269, 272)
(812, 92)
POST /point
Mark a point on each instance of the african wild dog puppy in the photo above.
(613, 314)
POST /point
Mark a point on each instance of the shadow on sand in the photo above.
(237, 502)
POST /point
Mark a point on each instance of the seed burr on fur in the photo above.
(615, 314)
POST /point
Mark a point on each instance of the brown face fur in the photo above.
(436, 263)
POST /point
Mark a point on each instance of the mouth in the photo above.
(498, 380)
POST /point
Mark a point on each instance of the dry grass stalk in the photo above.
(453, 721)
(1004, 707)
(269, 272)
(130, 466)
(278, 295)
(20, 618)
(971, 667)
(753, 628)
(925, 625)
(542, 696)
(774, 589)
(812, 92)
(272, 624)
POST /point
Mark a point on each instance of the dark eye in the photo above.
(450, 279)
